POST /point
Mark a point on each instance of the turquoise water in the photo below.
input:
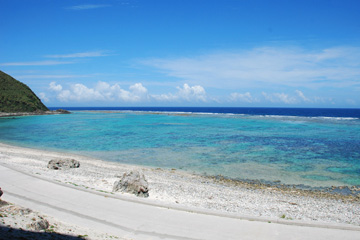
(314, 151)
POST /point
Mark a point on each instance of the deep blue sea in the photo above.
(314, 147)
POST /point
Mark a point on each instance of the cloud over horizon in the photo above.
(104, 92)
(267, 66)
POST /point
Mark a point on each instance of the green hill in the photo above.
(17, 97)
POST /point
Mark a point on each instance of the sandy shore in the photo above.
(177, 188)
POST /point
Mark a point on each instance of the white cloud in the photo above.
(101, 92)
(137, 93)
(106, 92)
(297, 98)
(139, 89)
(83, 93)
(185, 93)
(64, 96)
(188, 93)
(54, 87)
(165, 97)
(55, 62)
(78, 92)
(79, 55)
(279, 98)
(285, 98)
(88, 6)
(243, 97)
(36, 63)
(302, 96)
(43, 97)
(267, 66)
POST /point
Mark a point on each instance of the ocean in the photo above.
(296, 146)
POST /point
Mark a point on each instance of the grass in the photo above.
(287, 218)
(82, 236)
(74, 184)
(50, 230)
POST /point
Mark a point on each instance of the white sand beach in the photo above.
(175, 189)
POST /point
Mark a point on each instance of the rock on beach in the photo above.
(40, 224)
(59, 164)
(133, 182)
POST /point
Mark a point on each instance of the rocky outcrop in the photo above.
(60, 164)
(40, 224)
(133, 182)
(62, 111)
(26, 216)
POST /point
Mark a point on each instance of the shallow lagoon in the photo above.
(315, 151)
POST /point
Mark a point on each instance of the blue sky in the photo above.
(184, 53)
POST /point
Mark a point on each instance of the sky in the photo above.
(231, 53)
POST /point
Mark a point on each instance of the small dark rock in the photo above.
(25, 211)
(62, 111)
(41, 224)
(3, 203)
(59, 164)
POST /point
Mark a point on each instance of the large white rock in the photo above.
(133, 182)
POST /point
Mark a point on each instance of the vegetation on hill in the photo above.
(17, 97)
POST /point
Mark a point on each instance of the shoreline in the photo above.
(36, 113)
(182, 189)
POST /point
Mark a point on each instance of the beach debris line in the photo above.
(133, 182)
(60, 164)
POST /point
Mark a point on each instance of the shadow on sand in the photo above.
(7, 233)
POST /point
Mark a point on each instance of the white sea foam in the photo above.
(222, 114)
